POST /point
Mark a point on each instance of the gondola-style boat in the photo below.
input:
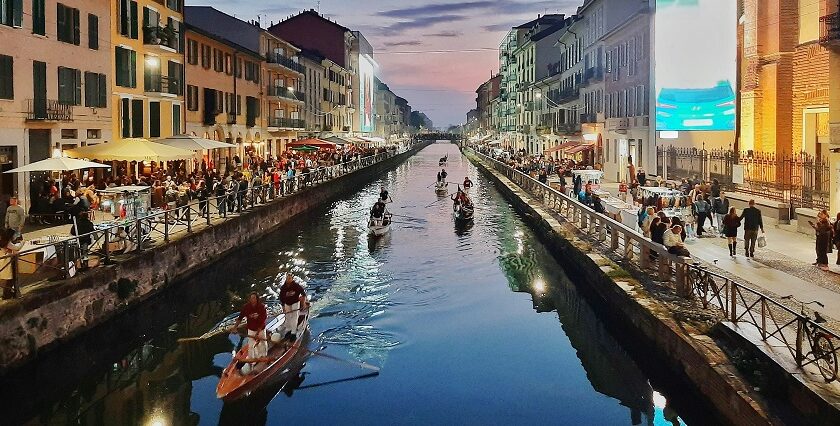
(234, 384)
(463, 212)
(441, 188)
(380, 226)
(443, 160)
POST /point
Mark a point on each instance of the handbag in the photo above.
(762, 241)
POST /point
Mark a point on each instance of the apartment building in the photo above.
(147, 39)
(485, 94)
(51, 101)
(313, 88)
(281, 75)
(627, 133)
(224, 96)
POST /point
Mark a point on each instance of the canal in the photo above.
(475, 325)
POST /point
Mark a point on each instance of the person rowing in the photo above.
(378, 209)
(467, 182)
(255, 316)
(441, 176)
(293, 298)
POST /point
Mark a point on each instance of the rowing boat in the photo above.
(441, 188)
(463, 213)
(234, 384)
(380, 226)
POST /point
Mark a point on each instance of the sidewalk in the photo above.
(782, 268)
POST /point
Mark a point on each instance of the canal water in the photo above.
(469, 325)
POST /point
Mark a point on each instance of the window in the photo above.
(69, 133)
(137, 118)
(154, 119)
(11, 12)
(126, 61)
(176, 119)
(228, 64)
(67, 20)
(94, 134)
(192, 52)
(125, 117)
(96, 90)
(93, 32)
(192, 98)
(6, 77)
(69, 86)
(218, 60)
(39, 23)
(128, 18)
(206, 53)
(175, 5)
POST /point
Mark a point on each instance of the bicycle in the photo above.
(822, 348)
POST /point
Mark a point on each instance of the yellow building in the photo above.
(285, 100)
(148, 68)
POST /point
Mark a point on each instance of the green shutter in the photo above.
(133, 22)
(38, 17)
(91, 82)
(125, 20)
(61, 22)
(126, 117)
(76, 27)
(103, 91)
(137, 118)
(93, 31)
(132, 68)
(17, 13)
(6, 77)
(77, 83)
(39, 85)
(154, 119)
(119, 60)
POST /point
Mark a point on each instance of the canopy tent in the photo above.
(314, 142)
(134, 149)
(562, 146)
(338, 140)
(58, 164)
(579, 148)
(304, 148)
(193, 143)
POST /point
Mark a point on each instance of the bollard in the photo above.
(166, 225)
(138, 223)
(107, 246)
(682, 282)
(189, 218)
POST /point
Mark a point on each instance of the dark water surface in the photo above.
(477, 325)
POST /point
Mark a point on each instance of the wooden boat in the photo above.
(443, 160)
(378, 227)
(441, 188)
(463, 213)
(234, 385)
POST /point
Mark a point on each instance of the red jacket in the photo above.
(254, 315)
(290, 293)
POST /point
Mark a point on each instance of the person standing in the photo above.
(15, 217)
(731, 223)
(824, 238)
(8, 247)
(293, 297)
(701, 211)
(255, 315)
(751, 216)
(721, 208)
(837, 236)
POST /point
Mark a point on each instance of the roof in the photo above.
(312, 12)
(548, 31)
(544, 19)
(311, 54)
(223, 40)
(223, 25)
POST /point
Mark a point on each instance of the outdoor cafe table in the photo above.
(41, 251)
(589, 175)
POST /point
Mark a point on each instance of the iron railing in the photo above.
(286, 123)
(156, 83)
(48, 110)
(278, 59)
(285, 92)
(737, 303)
(62, 257)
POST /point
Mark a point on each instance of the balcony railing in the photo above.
(830, 29)
(48, 110)
(278, 59)
(592, 75)
(161, 36)
(163, 84)
(286, 123)
(284, 92)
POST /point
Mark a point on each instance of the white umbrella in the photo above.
(58, 164)
(193, 143)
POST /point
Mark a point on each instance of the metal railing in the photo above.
(156, 83)
(48, 110)
(285, 92)
(737, 303)
(278, 59)
(64, 257)
(286, 123)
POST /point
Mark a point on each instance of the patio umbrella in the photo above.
(58, 164)
(305, 148)
(134, 149)
(193, 143)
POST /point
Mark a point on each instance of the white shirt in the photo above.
(671, 239)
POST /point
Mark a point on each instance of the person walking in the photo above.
(721, 208)
(15, 217)
(837, 237)
(751, 216)
(731, 223)
(701, 211)
(824, 232)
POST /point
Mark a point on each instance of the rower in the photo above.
(255, 315)
(441, 176)
(467, 182)
(383, 195)
(293, 298)
(378, 209)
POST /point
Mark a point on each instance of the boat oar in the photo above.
(220, 331)
(348, 379)
(442, 199)
(408, 217)
(360, 364)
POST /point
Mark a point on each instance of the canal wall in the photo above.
(689, 353)
(54, 312)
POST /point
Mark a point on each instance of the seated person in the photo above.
(674, 242)
(378, 210)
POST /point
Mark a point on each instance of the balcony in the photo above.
(163, 85)
(830, 31)
(588, 118)
(286, 123)
(277, 60)
(592, 75)
(165, 38)
(285, 93)
(48, 110)
(619, 125)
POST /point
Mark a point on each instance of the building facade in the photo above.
(313, 89)
(485, 94)
(47, 101)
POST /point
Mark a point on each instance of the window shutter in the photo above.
(103, 91)
(61, 22)
(91, 82)
(124, 18)
(6, 77)
(181, 37)
(77, 82)
(76, 27)
(126, 117)
(133, 20)
(93, 31)
(132, 68)
(119, 59)
(137, 118)
(17, 13)
(38, 17)
(154, 119)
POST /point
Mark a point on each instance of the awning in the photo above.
(579, 148)
(133, 149)
(496, 142)
(563, 146)
(373, 139)
(318, 143)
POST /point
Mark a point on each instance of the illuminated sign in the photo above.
(696, 51)
(366, 91)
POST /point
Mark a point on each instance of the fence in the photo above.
(801, 179)
(55, 260)
(776, 323)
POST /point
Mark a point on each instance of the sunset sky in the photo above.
(440, 84)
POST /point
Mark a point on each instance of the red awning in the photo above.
(562, 146)
(579, 148)
(318, 143)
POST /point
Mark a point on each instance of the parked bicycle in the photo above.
(822, 348)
